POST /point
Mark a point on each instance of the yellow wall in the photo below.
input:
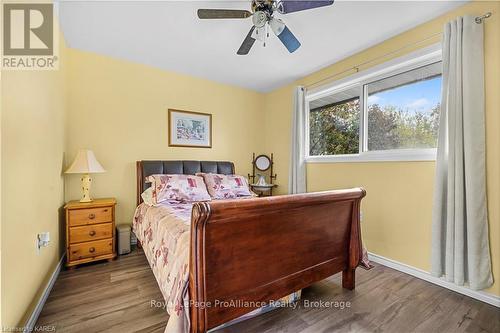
(119, 110)
(32, 144)
(397, 209)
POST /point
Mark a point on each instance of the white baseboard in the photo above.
(31, 322)
(421, 274)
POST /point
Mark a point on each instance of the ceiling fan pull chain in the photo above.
(266, 34)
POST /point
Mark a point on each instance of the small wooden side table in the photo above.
(90, 231)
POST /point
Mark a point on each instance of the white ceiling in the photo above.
(168, 35)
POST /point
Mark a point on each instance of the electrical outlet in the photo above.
(361, 216)
(42, 240)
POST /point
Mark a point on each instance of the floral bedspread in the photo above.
(164, 232)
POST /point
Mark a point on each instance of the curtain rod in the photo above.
(478, 20)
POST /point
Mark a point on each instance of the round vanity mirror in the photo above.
(262, 162)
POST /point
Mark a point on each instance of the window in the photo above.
(334, 124)
(403, 110)
(389, 114)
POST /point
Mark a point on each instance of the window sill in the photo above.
(402, 155)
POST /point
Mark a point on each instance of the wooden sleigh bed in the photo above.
(258, 250)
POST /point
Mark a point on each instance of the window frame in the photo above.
(414, 60)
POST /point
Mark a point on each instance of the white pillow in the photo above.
(147, 196)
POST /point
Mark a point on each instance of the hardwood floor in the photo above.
(116, 297)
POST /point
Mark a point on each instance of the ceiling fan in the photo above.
(263, 16)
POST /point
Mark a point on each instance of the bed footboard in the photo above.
(246, 252)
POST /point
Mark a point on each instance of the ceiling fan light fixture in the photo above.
(259, 19)
(262, 15)
(277, 26)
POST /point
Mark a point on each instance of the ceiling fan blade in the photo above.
(289, 40)
(290, 6)
(223, 14)
(284, 34)
(247, 43)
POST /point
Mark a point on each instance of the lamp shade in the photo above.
(85, 162)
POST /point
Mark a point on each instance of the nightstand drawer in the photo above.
(90, 232)
(90, 249)
(90, 216)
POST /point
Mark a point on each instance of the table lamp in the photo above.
(86, 163)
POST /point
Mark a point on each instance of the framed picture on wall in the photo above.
(189, 129)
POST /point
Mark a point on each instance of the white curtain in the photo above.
(297, 174)
(460, 244)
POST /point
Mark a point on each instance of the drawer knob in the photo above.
(92, 233)
(92, 216)
(92, 250)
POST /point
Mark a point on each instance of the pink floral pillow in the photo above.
(178, 187)
(226, 186)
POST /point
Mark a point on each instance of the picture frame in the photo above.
(189, 129)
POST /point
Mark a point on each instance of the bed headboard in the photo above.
(147, 168)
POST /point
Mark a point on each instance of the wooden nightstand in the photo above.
(90, 231)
